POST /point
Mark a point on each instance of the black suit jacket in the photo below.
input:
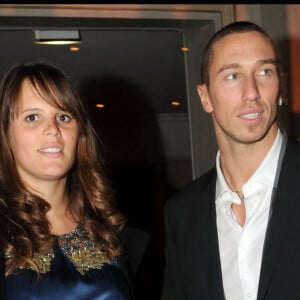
(193, 269)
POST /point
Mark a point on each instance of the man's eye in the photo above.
(31, 118)
(266, 72)
(232, 76)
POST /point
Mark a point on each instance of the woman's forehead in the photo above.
(31, 92)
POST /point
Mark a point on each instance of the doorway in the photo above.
(156, 137)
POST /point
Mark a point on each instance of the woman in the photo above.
(59, 226)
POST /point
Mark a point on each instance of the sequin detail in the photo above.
(82, 251)
(78, 248)
(43, 261)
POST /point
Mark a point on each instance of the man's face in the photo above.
(244, 88)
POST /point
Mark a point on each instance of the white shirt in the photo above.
(241, 247)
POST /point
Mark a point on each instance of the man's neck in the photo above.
(239, 161)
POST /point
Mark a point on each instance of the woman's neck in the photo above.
(59, 216)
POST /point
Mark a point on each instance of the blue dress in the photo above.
(76, 269)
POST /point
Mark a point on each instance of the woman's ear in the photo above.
(204, 98)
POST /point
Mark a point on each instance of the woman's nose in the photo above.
(52, 128)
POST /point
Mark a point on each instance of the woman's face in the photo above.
(43, 138)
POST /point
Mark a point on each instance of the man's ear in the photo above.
(204, 98)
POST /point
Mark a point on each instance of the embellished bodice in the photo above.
(76, 268)
(78, 248)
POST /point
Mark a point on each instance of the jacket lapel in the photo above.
(285, 197)
(200, 246)
(215, 276)
(217, 290)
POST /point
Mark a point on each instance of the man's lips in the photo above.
(251, 116)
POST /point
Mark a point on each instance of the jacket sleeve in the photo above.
(171, 285)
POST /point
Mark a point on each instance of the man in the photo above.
(234, 233)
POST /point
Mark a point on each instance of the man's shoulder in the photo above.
(193, 190)
(292, 151)
(293, 143)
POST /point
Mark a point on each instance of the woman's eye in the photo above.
(64, 118)
(31, 118)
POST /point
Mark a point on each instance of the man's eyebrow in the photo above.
(268, 61)
(260, 62)
(230, 66)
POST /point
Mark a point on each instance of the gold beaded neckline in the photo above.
(77, 246)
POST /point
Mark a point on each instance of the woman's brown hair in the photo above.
(23, 223)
